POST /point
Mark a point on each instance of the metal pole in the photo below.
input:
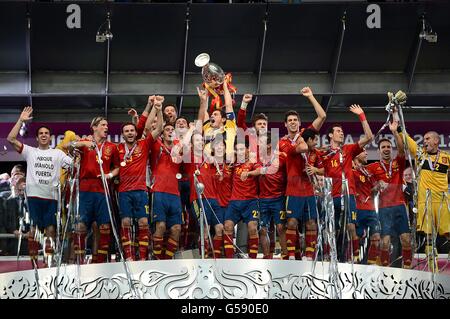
(416, 56)
(199, 187)
(183, 76)
(28, 44)
(338, 58)
(261, 59)
(108, 46)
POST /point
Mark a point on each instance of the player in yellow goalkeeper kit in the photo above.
(433, 165)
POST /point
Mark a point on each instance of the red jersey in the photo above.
(164, 170)
(297, 185)
(141, 126)
(333, 166)
(273, 185)
(207, 177)
(364, 183)
(133, 174)
(90, 169)
(247, 189)
(391, 173)
(224, 184)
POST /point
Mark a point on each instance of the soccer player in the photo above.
(243, 204)
(272, 187)
(393, 216)
(166, 204)
(42, 182)
(366, 216)
(221, 122)
(433, 166)
(93, 206)
(133, 198)
(299, 191)
(337, 161)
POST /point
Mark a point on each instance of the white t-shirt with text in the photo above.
(44, 170)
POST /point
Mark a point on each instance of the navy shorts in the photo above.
(133, 204)
(367, 219)
(302, 208)
(246, 210)
(93, 207)
(166, 208)
(394, 220)
(214, 213)
(351, 217)
(42, 211)
(272, 208)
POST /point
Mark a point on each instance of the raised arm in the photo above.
(398, 139)
(157, 108)
(247, 98)
(368, 135)
(12, 136)
(321, 115)
(301, 146)
(227, 97)
(156, 100)
(203, 109)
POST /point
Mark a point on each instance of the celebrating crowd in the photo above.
(169, 172)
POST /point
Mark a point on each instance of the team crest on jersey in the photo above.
(445, 160)
(312, 157)
(137, 150)
(108, 151)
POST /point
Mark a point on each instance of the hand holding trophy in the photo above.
(213, 79)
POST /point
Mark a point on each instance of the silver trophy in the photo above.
(212, 74)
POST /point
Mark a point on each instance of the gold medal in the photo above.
(178, 176)
(123, 164)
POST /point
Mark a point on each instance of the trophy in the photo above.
(213, 79)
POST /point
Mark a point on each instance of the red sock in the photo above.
(291, 239)
(207, 250)
(355, 244)
(311, 240)
(143, 238)
(407, 257)
(374, 252)
(157, 247)
(298, 246)
(171, 248)
(385, 257)
(326, 250)
(103, 247)
(33, 250)
(228, 245)
(125, 234)
(217, 243)
(79, 245)
(253, 243)
(272, 240)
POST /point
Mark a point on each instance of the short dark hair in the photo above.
(168, 124)
(126, 124)
(331, 130)
(43, 126)
(172, 105)
(309, 134)
(260, 116)
(182, 117)
(20, 168)
(383, 140)
(291, 112)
